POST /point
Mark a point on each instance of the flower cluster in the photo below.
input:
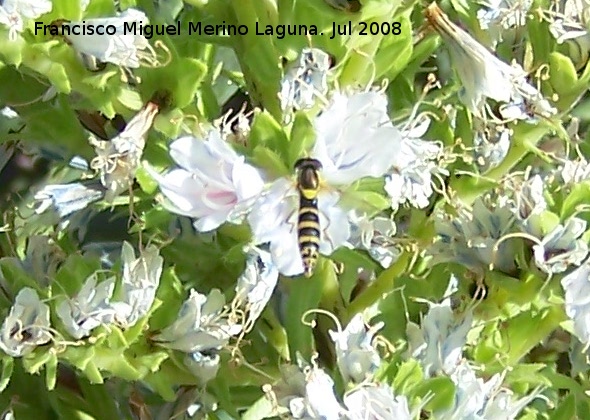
(184, 233)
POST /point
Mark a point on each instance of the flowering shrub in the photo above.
(311, 209)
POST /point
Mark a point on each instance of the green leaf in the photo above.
(441, 391)
(170, 123)
(566, 409)
(261, 409)
(409, 375)
(93, 373)
(7, 369)
(578, 196)
(267, 132)
(540, 40)
(564, 80)
(365, 201)
(115, 362)
(181, 79)
(37, 57)
(395, 51)
(51, 372)
(301, 138)
(303, 294)
(270, 161)
(145, 181)
(130, 99)
(11, 52)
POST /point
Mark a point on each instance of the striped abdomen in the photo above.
(308, 227)
(308, 231)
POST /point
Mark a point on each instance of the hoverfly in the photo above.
(308, 221)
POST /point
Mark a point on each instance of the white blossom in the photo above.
(575, 171)
(355, 138)
(356, 357)
(213, 184)
(118, 159)
(483, 75)
(374, 235)
(42, 259)
(26, 326)
(344, 160)
(141, 278)
(203, 366)
(477, 399)
(470, 238)
(576, 287)
(13, 13)
(307, 392)
(123, 49)
(571, 22)
(376, 402)
(525, 198)
(202, 324)
(562, 247)
(89, 309)
(500, 15)
(67, 198)
(491, 143)
(273, 219)
(438, 342)
(257, 283)
(305, 79)
(410, 180)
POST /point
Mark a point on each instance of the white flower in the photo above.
(438, 342)
(356, 357)
(574, 172)
(203, 366)
(14, 12)
(42, 259)
(562, 247)
(479, 400)
(491, 143)
(141, 278)
(376, 236)
(308, 393)
(572, 22)
(525, 198)
(576, 286)
(26, 326)
(118, 159)
(355, 138)
(273, 219)
(410, 181)
(470, 238)
(344, 160)
(376, 402)
(500, 15)
(305, 79)
(256, 284)
(213, 184)
(483, 75)
(89, 309)
(67, 198)
(202, 324)
(122, 49)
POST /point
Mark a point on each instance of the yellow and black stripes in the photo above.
(308, 226)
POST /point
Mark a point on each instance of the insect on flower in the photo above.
(308, 222)
(344, 160)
